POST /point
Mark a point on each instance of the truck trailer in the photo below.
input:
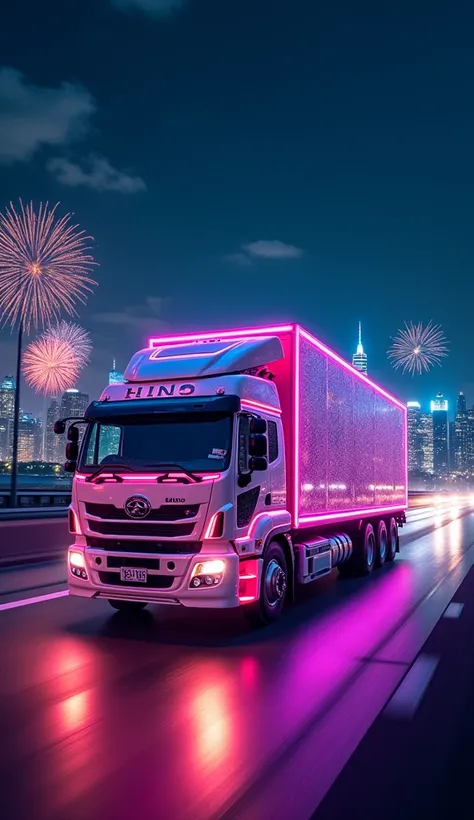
(230, 467)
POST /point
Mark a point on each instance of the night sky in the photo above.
(239, 162)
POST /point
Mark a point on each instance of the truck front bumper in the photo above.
(169, 583)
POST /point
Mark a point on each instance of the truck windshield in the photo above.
(198, 442)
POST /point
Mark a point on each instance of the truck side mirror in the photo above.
(70, 467)
(72, 450)
(258, 445)
(258, 464)
(73, 433)
(258, 426)
(59, 427)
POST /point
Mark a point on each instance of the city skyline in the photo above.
(195, 181)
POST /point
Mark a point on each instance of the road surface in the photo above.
(29, 538)
(190, 715)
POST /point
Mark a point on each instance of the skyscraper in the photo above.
(53, 446)
(426, 435)
(460, 447)
(439, 412)
(7, 411)
(115, 376)
(29, 438)
(415, 437)
(73, 404)
(359, 359)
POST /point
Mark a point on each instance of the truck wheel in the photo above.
(392, 539)
(382, 544)
(128, 606)
(272, 588)
(363, 557)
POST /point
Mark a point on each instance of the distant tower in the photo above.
(359, 359)
(115, 376)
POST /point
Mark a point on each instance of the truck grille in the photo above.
(141, 529)
(153, 581)
(117, 561)
(151, 547)
(167, 512)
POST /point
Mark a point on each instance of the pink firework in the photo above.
(76, 337)
(50, 366)
(45, 265)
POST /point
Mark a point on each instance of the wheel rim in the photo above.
(370, 550)
(383, 545)
(274, 583)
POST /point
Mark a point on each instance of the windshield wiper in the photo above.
(171, 466)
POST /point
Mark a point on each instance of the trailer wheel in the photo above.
(392, 543)
(128, 606)
(363, 558)
(272, 588)
(382, 544)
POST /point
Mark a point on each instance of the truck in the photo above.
(230, 467)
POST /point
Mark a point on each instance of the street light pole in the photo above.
(16, 422)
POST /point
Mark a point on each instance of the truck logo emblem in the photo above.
(137, 506)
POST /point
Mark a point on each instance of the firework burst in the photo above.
(78, 339)
(418, 347)
(50, 366)
(45, 265)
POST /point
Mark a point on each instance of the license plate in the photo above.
(133, 575)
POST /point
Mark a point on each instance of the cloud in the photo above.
(100, 175)
(262, 249)
(240, 259)
(272, 249)
(157, 8)
(32, 116)
(143, 317)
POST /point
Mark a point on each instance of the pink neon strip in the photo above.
(212, 524)
(258, 405)
(219, 334)
(296, 427)
(150, 476)
(347, 366)
(254, 522)
(339, 516)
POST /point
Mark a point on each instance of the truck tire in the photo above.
(272, 588)
(382, 544)
(392, 539)
(128, 606)
(362, 560)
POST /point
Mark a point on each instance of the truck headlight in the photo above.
(207, 573)
(77, 564)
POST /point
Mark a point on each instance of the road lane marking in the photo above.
(453, 610)
(37, 600)
(409, 694)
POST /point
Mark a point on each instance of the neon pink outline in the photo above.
(316, 343)
(258, 405)
(150, 476)
(254, 522)
(210, 527)
(238, 333)
(345, 514)
(296, 429)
